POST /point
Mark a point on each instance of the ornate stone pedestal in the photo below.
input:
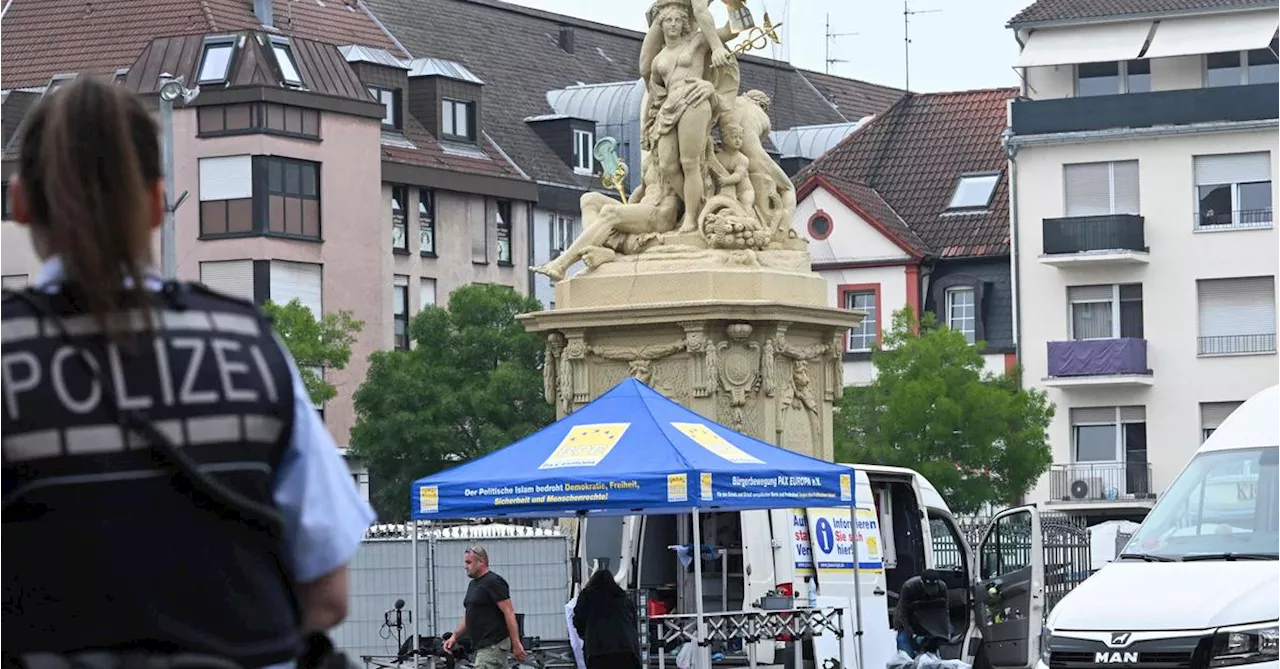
(744, 338)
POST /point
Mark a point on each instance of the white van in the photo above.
(1198, 585)
(915, 530)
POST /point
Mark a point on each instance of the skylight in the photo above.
(215, 62)
(974, 191)
(284, 58)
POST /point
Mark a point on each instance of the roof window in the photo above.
(284, 59)
(974, 191)
(215, 60)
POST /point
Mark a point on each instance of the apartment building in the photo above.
(320, 162)
(564, 83)
(1143, 153)
(911, 209)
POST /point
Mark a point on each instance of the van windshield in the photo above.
(1224, 506)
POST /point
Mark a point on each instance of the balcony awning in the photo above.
(1084, 44)
(1213, 34)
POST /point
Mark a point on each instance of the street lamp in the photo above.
(171, 88)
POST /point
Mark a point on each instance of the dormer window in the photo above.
(458, 120)
(583, 151)
(390, 100)
(283, 52)
(974, 191)
(215, 60)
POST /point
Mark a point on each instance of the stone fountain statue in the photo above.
(694, 202)
(695, 283)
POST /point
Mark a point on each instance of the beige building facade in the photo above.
(1143, 154)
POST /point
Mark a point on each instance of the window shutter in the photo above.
(296, 280)
(1102, 293)
(1212, 414)
(1125, 185)
(1133, 414)
(1104, 415)
(1088, 189)
(1232, 168)
(1230, 307)
(226, 178)
(230, 277)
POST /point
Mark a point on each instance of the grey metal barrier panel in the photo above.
(381, 572)
(534, 562)
(536, 569)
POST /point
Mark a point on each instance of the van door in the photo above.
(1009, 593)
(953, 562)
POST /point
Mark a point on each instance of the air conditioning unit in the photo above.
(1084, 488)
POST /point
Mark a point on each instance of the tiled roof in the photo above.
(47, 37)
(1081, 10)
(855, 99)
(913, 155)
(519, 71)
(871, 204)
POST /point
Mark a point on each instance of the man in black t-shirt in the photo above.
(490, 619)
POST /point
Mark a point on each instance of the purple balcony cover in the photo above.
(1097, 357)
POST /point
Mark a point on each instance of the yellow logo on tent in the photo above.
(706, 486)
(585, 445)
(846, 488)
(677, 487)
(704, 437)
(429, 499)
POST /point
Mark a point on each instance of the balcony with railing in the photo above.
(1101, 483)
(1116, 239)
(1240, 344)
(1119, 362)
(1223, 104)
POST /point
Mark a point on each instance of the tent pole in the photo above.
(703, 651)
(413, 552)
(582, 552)
(857, 583)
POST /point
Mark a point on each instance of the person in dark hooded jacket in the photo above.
(605, 618)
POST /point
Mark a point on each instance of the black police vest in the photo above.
(102, 550)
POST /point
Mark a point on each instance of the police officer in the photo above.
(169, 490)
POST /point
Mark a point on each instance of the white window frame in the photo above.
(970, 334)
(974, 180)
(391, 111)
(1111, 186)
(1243, 68)
(1114, 300)
(449, 119)
(872, 321)
(1122, 85)
(1236, 210)
(1200, 326)
(562, 233)
(400, 229)
(1117, 426)
(584, 160)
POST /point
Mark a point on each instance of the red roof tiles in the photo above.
(912, 156)
(48, 37)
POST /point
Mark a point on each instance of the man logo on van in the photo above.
(1120, 639)
(1127, 657)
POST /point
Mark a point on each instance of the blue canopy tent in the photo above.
(632, 451)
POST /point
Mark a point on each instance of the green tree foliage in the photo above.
(471, 383)
(315, 343)
(978, 437)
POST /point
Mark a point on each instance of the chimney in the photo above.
(265, 12)
(566, 38)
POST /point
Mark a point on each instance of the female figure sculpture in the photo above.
(689, 81)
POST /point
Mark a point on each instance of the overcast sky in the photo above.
(955, 44)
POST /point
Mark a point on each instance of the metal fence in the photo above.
(533, 561)
(1065, 540)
